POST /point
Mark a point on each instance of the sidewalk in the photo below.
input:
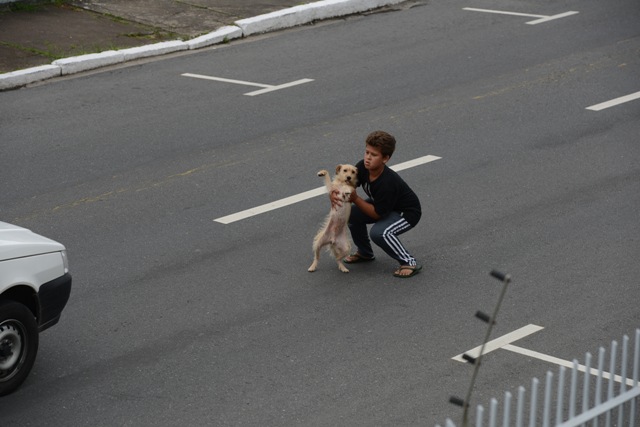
(38, 35)
(36, 41)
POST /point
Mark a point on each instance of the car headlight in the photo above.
(65, 261)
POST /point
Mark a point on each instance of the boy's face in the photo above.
(373, 158)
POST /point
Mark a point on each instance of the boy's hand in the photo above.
(336, 201)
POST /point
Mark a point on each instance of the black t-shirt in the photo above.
(390, 193)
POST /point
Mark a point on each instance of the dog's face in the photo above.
(347, 174)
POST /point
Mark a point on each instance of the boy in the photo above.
(391, 206)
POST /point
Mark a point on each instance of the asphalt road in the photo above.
(176, 319)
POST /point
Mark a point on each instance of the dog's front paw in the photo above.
(323, 173)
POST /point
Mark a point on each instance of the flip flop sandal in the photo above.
(356, 258)
(414, 270)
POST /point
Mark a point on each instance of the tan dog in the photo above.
(334, 230)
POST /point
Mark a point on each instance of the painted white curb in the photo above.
(219, 36)
(76, 64)
(29, 75)
(153, 50)
(303, 14)
(291, 17)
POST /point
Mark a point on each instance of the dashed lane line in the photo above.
(309, 194)
(614, 102)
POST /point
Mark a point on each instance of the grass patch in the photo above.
(53, 52)
(153, 35)
(32, 6)
(44, 53)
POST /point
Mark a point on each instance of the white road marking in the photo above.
(271, 206)
(615, 102)
(503, 12)
(278, 87)
(541, 18)
(266, 88)
(500, 342)
(309, 194)
(504, 343)
(220, 79)
(551, 18)
(562, 362)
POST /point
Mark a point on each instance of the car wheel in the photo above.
(18, 344)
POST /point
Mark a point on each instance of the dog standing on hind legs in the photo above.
(334, 231)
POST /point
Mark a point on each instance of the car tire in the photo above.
(18, 344)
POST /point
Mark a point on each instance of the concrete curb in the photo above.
(19, 78)
(220, 36)
(153, 50)
(286, 18)
(76, 64)
(303, 14)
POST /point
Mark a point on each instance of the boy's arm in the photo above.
(366, 207)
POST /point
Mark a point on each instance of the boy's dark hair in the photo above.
(383, 141)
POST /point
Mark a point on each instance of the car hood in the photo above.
(17, 242)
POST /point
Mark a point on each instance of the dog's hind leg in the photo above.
(316, 258)
(318, 243)
(340, 250)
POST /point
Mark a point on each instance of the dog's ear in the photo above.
(338, 168)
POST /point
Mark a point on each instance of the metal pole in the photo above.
(506, 279)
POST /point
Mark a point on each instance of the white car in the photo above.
(35, 285)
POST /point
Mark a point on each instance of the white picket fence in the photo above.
(569, 402)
